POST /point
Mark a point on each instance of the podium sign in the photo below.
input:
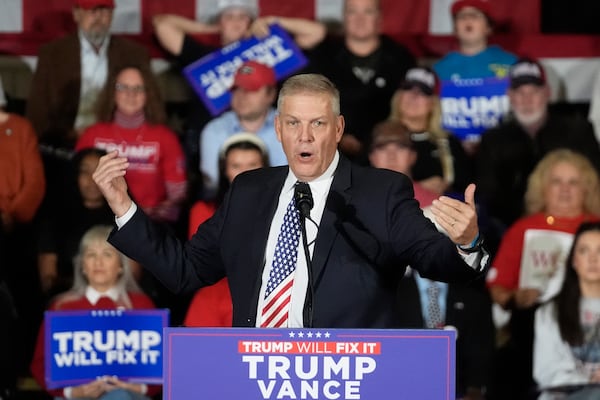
(252, 363)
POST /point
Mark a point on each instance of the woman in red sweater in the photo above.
(102, 280)
(131, 119)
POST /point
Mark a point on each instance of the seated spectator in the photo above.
(69, 75)
(72, 71)
(442, 164)
(60, 230)
(509, 152)
(392, 148)
(132, 121)
(22, 182)
(563, 192)
(22, 188)
(475, 70)
(366, 67)
(211, 305)
(567, 335)
(252, 95)
(102, 280)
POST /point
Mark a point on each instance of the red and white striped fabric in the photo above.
(51, 17)
(424, 26)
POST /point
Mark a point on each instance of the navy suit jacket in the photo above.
(371, 228)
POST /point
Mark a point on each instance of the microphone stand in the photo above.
(310, 292)
(304, 203)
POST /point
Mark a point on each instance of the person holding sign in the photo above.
(102, 280)
(563, 192)
(363, 228)
(567, 329)
(235, 20)
(474, 78)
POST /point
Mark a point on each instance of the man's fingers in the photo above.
(470, 195)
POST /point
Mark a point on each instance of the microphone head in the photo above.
(303, 198)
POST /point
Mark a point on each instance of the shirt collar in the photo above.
(87, 47)
(93, 295)
(322, 182)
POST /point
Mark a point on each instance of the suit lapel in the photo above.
(262, 216)
(339, 195)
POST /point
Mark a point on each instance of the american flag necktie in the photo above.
(275, 310)
(433, 306)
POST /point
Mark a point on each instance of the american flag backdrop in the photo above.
(27, 23)
(424, 26)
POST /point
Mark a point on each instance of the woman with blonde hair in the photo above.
(563, 192)
(442, 164)
(102, 280)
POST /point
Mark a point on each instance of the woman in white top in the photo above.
(567, 328)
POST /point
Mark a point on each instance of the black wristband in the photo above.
(474, 247)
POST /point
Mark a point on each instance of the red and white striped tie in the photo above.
(276, 304)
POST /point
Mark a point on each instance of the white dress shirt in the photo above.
(94, 72)
(319, 189)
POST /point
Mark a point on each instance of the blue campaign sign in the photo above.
(212, 75)
(83, 345)
(471, 106)
(249, 364)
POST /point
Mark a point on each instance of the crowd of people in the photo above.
(527, 326)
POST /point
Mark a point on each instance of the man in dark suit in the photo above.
(365, 226)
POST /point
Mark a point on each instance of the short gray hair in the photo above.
(310, 83)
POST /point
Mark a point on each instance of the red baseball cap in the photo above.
(90, 4)
(253, 75)
(482, 5)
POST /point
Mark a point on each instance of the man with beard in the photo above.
(70, 73)
(509, 152)
(252, 95)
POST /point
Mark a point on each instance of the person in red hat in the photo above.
(70, 73)
(475, 70)
(252, 95)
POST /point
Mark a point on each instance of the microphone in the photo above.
(303, 198)
(304, 203)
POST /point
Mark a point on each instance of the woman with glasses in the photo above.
(131, 119)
